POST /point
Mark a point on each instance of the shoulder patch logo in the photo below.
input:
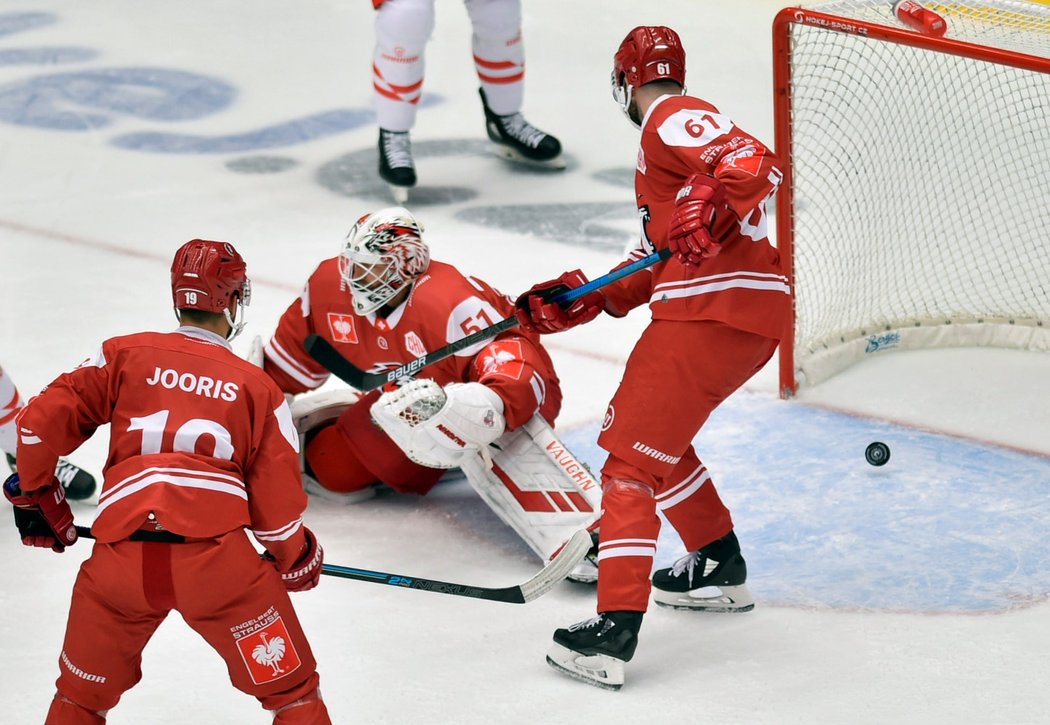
(415, 345)
(342, 327)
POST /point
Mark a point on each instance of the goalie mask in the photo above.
(649, 53)
(208, 276)
(383, 255)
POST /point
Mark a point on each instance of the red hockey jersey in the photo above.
(443, 307)
(744, 285)
(199, 438)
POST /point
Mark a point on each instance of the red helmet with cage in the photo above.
(208, 276)
(649, 53)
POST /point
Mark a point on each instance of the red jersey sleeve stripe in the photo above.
(292, 367)
(281, 534)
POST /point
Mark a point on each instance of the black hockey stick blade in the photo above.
(557, 569)
(323, 352)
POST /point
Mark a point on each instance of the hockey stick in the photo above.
(544, 580)
(323, 352)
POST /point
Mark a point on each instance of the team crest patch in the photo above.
(414, 345)
(502, 358)
(342, 327)
(745, 158)
(266, 648)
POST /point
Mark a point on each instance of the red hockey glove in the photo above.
(306, 571)
(689, 232)
(43, 517)
(537, 313)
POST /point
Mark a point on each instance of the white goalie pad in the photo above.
(536, 486)
(310, 411)
(440, 427)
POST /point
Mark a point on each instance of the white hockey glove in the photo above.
(440, 427)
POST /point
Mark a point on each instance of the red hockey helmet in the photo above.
(649, 53)
(207, 276)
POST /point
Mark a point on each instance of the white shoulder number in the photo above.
(693, 127)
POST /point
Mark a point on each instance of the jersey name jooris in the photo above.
(197, 384)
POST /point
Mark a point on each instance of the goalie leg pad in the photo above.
(330, 470)
(312, 410)
(536, 486)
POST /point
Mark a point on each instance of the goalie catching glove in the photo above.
(440, 427)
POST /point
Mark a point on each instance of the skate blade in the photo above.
(512, 155)
(728, 600)
(600, 671)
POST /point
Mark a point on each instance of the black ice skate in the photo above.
(79, 484)
(518, 140)
(594, 650)
(710, 579)
(395, 163)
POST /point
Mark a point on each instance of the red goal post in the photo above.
(915, 209)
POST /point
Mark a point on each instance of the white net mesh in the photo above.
(921, 184)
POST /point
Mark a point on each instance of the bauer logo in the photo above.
(883, 342)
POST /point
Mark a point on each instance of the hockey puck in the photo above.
(877, 453)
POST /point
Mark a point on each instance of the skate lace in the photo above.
(398, 149)
(65, 472)
(586, 624)
(515, 125)
(687, 565)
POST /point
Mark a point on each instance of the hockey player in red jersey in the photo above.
(402, 29)
(383, 303)
(202, 446)
(719, 306)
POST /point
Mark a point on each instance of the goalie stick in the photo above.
(323, 352)
(544, 580)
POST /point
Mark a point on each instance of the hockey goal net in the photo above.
(915, 210)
